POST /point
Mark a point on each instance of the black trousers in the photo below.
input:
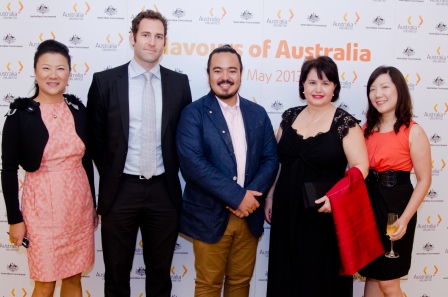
(145, 204)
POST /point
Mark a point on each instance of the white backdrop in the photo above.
(273, 38)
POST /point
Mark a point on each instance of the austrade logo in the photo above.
(10, 41)
(75, 75)
(412, 85)
(178, 277)
(77, 13)
(279, 21)
(439, 2)
(427, 276)
(264, 253)
(41, 38)
(76, 42)
(430, 224)
(378, 23)
(439, 58)
(435, 170)
(12, 11)
(139, 248)
(409, 54)
(345, 82)
(246, 18)
(313, 21)
(110, 46)
(347, 24)
(179, 16)
(411, 26)
(11, 73)
(43, 11)
(8, 247)
(214, 18)
(111, 13)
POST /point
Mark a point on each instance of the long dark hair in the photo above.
(403, 109)
(54, 47)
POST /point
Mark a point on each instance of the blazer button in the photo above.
(119, 175)
(223, 131)
(124, 153)
(234, 178)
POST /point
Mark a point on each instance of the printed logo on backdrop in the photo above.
(214, 17)
(113, 42)
(76, 75)
(11, 269)
(432, 196)
(439, 58)
(430, 224)
(77, 13)
(379, 23)
(4, 219)
(179, 16)
(13, 70)
(427, 249)
(313, 20)
(411, 25)
(10, 41)
(264, 253)
(76, 41)
(11, 10)
(264, 277)
(439, 2)
(110, 13)
(178, 250)
(43, 11)
(139, 248)
(428, 274)
(246, 17)
(278, 21)
(175, 277)
(436, 168)
(438, 83)
(439, 29)
(140, 272)
(100, 275)
(345, 82)
(8, 99)
(411, 0)
(408, 54)
(277, 106)
(437, 140)
(350, 20)
(413, 81)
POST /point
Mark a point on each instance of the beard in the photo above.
(225, 95)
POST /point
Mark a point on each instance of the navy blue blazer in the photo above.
(208, 165)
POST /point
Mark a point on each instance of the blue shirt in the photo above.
(136, 84)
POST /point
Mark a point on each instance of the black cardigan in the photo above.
(23, 142)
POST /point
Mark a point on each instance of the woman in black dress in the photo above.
(316, 142)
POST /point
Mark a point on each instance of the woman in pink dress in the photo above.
(47, 135)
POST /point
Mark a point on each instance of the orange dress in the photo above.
(57, 203)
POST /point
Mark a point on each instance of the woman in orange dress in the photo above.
(395, 144)
(46, 135)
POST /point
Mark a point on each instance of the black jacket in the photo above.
(23, 142)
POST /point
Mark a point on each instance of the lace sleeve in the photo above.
(344, 121)
(289, 116)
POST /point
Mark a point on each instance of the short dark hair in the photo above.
(53, 47)
(151, 15)
(322, 64)
(403, 109)
(226, 48)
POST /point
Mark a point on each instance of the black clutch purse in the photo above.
(312, 191)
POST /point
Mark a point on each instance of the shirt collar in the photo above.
(226, 106)
(135, 69)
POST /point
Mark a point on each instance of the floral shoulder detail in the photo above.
(343, 121)
(289, 116)
(26, 104)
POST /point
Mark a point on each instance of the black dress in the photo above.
(303, 252)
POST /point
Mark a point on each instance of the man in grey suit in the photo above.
(228, 157)
(133, 114)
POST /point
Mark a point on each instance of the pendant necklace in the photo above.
(309, 123)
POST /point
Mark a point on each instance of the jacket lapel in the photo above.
(122, 85)
(214, 113)
(248, 127)
(166, 95)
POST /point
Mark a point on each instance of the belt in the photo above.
(389, 178)
(141, 178)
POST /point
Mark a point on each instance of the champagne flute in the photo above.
(391, 229)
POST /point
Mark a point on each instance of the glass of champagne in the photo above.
(392, 227)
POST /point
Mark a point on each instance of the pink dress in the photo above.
(57, 204)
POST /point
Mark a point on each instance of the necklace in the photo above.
(309, 123)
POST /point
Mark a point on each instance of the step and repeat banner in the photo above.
(273, 38)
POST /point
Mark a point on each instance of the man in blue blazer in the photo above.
(227, 154)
